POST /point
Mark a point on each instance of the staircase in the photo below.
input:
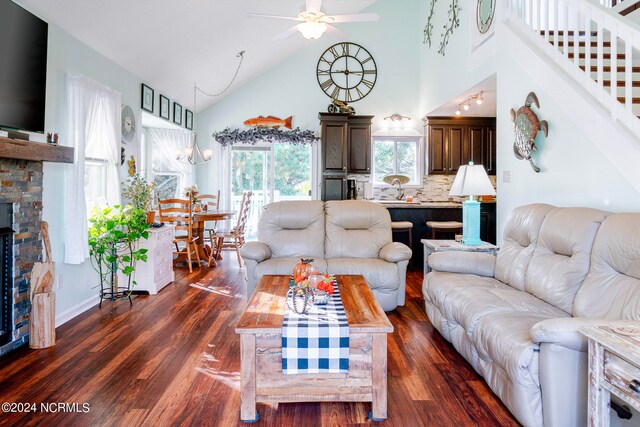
(592, 42)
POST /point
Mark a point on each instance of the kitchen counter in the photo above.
(419, 213)
(418, 205)
(422, 205)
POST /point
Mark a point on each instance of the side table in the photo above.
(157, 272)
(614, 368)
(431, 246)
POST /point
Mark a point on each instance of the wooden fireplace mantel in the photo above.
(35, 151)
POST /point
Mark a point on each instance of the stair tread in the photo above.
(607, 69)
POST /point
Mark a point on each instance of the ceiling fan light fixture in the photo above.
(312, 30)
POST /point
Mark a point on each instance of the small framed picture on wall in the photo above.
(147, 98)
(177, 113)
(164, 107)
(188, 120)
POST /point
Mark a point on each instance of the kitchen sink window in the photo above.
(393, 155)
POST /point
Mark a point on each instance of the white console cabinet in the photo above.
(157, 272)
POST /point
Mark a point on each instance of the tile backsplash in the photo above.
(435, 188)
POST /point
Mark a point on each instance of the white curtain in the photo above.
(93, 111)
(165, 147)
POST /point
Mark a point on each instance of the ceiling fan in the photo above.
(314, 21)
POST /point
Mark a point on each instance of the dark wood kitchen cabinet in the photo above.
(455, 141)
(346, 149)
(346, 143)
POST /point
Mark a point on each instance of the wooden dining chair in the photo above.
(233, 239)
(179, 212)
(213, 203)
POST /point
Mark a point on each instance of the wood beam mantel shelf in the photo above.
(34, 151)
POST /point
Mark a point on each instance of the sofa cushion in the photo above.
(469, 305)
(379, 274)
(520, 238)
(293, 229)
(611, 289)
(356, 229)
(503, 338)
(438, 286)
(283, 266)
(561, 260)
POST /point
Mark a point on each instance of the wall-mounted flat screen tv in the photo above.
(23, 68)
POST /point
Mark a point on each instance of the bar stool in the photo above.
(402, 227)
(444, 226)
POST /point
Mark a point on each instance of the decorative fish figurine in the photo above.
(269, 122)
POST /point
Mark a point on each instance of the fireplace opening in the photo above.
(6, 276)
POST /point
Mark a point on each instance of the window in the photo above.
(170, 175)
(96, 162)
(396, 156)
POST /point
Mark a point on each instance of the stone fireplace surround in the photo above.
(21, 186)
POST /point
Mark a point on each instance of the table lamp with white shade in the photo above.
(471, 180)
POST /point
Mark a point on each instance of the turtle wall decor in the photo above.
(526, 126)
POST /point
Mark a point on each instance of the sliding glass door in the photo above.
(272, 172)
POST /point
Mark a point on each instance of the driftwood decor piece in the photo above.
(42, 327)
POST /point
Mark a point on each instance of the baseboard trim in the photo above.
(77, 310)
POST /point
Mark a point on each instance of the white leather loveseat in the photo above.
(343, 237)
(516, 317)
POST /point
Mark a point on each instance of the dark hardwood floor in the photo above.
(173, 359)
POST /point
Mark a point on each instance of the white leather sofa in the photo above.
(516, 317)
(343, 237)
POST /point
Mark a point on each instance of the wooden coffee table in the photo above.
(260, 329)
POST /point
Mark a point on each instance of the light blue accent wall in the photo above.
(69, 55)
(291, 88)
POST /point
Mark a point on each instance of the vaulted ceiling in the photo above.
(171, 44)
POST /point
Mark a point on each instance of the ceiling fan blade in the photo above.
(260, 15)
(314, 5)
(357, 17)
(291, 31)
(338, 34)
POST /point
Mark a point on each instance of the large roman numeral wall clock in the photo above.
(346, 72)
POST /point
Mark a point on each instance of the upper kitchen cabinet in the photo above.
(346, 143)
(455, 141)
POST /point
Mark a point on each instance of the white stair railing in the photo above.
(620, 5)
(588, 41)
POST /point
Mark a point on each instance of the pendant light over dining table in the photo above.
(193, 154)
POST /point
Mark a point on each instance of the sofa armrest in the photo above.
(481, 264)
(395, 252)
(256, 251)
(565, 332)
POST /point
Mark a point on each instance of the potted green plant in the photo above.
(114, 234)
(139, 193)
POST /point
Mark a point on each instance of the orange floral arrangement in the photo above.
(326, 284)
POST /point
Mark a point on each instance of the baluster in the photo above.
(565, 38)
(628, 72)
(556, 24)
(587, 48)
(530, 13)
(599, 53)
(613, 35)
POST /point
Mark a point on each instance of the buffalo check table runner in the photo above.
(318, 341)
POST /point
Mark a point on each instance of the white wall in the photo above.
(76, 283)
(575, 171)
(463, 65)
(291, 87)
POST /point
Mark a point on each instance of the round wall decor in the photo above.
(485, 11)
(346, 72)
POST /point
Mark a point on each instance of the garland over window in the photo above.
(252, 136)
